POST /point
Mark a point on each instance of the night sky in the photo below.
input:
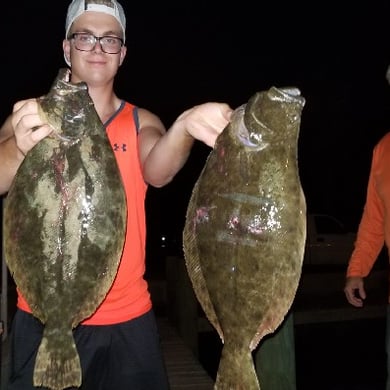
(181, 54)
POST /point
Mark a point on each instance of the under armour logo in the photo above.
(122, 147)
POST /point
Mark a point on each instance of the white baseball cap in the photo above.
(110, 7)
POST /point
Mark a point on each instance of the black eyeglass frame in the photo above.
(96, 40)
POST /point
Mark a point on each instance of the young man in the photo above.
(118, 345)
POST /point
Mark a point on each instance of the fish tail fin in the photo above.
(236, 370)
(57, 366)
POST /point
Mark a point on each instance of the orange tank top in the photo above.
(129, 296)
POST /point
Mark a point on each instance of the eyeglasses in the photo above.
(86, 42)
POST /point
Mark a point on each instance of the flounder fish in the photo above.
(245, 229)
(64, 227)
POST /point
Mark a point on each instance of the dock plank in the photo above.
(184, 370)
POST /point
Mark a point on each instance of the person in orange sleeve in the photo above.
(119, 344)
(373, 233)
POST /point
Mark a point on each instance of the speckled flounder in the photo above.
(245, 229)
(64, 227)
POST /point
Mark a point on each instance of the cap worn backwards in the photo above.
(110, 7)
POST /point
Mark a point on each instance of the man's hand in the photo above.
(354, 291)
(28, 126)
(206, 121)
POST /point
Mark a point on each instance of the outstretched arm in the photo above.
(163, 153)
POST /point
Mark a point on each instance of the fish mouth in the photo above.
(66, 75)
(65, 108)
(65, 86)
(290, 91)
(245, 136)
(269, 117)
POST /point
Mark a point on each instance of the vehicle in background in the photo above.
(328, 242)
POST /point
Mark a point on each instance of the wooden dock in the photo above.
(184, 370)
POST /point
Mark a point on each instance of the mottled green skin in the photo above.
(64, 227)
(245, 230)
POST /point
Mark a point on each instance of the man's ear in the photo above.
(123, 55)
(66, 48)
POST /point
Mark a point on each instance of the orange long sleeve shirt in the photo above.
(374, 227)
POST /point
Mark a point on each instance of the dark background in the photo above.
(181, 54)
